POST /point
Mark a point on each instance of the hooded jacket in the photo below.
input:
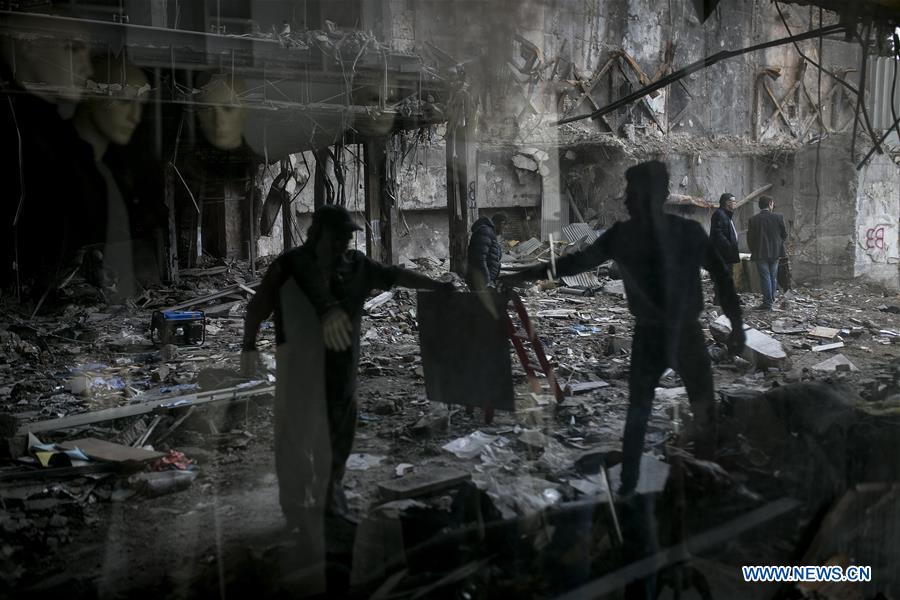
(483, 256)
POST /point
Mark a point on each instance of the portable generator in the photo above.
(180, 327)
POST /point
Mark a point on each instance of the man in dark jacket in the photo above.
(483, 255)
(660, 257)
(765, 236)
(722, 231)
(723, 234)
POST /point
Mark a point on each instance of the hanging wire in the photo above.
(896, 41)
(821, 133)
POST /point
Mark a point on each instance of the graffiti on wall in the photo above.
(878, 239)
(875, 238)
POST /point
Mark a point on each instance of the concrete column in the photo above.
(462, 194)
(381, 209)
(170, 265)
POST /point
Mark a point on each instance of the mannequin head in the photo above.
(111, 115)
(221, 114)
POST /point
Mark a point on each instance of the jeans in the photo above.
(768, 279)
(654, 348)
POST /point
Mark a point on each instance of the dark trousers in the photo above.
(339, 533)
(653, 350)
(768, 279)
(342, 417)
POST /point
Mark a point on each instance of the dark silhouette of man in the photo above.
(659, 256)
(317, 292)
(765, 236)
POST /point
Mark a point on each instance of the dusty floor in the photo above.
(226, 532)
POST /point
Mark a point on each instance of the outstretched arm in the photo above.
(413, 280)
(593, 256)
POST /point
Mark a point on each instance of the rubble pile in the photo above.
(797, 422)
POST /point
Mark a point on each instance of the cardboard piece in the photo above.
(110, 452)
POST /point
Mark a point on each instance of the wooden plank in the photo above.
(143, 408)
(752, 195)
(238, 288)
(422, 483)
(110, 452)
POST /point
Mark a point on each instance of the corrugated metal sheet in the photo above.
(879, 79)
(575, 231)
(582, 280)
(527, 247)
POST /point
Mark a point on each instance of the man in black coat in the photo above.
(723, 233)
(483, 255)
(765, 236)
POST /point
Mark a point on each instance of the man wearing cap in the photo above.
(317, 292)
(723, 233)
(660, 257)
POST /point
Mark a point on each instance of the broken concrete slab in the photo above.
(762, 350)
(422, 483)
(651, 480)
(584, 386)
(521, 161)
(787, 327)
(615, 288)
(834, 363)
(827, 333)
(669, 394)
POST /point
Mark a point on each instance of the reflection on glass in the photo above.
(221, 115)
(114, 112)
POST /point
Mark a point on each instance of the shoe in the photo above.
(764, 307)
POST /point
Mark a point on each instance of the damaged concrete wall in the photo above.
(422, 233)
(824, 203)
(878, 214)
(845, 221)
(721, 129)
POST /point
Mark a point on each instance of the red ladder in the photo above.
(526, 335)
